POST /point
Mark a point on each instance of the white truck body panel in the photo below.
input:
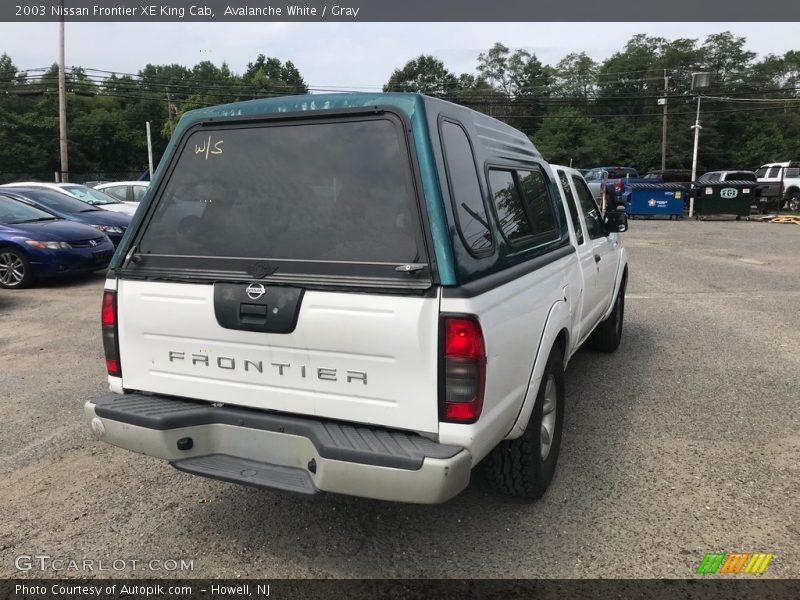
(513, 319)
(170, 343)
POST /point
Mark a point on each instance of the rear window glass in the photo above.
(621, 173)
(793, 172)
(309, 191)
(740, 176)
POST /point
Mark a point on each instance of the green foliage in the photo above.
(581, 110)
(424, 74)
(608, 113)
(107, 113)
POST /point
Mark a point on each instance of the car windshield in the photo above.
(13, 211)
(89, 195)
(55, 201)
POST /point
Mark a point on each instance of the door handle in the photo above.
(597, 258)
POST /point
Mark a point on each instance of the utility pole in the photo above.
(697, 129)
(169, 114)
(664, 124)
(700, 81)
(62, 101)
(149, 151)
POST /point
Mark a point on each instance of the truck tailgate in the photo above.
(366, 358)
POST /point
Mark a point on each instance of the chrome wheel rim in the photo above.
(549, 403)
(12, 269)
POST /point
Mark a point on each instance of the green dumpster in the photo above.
(724, 198)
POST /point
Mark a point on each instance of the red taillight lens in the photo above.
(108, 314)
(617, 185)
(108, 318)
(464, 370)
(462, 338)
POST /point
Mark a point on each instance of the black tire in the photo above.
(516, 467)
(608, 334)
(15, 269)
(793, 201)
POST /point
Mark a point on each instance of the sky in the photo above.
(347, 55)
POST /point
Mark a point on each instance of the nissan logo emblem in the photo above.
(255, 291)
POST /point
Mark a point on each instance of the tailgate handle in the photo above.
(597, 258)
(274, 309)
(252, 313)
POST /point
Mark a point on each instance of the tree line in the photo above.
(578, 111)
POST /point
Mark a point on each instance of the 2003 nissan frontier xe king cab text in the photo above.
(367, 294)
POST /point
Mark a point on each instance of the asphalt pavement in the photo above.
(685, 441)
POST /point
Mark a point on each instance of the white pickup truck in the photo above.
(367, 294)
(780, 186)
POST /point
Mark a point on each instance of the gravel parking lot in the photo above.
(685, 441)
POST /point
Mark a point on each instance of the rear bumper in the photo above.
(285, 452)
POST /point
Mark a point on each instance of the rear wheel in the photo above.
(525, 466)
(608, 334)
(793, 201)
(15, 270)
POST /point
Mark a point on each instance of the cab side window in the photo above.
(119, 192)
(523, 206)
(774, 172)
(591, 213)
(537, 201)
(573, 208)
(465, 189)
(508, 204)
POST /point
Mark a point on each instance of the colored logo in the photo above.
(734, 562)
(651, 203)
(729, 192)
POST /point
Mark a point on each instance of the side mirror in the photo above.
(616, 222)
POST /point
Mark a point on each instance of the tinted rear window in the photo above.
(740, 176)
(621, 173)
(307, 191)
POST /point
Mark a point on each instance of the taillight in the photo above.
(463, 370)
(108, 319)
(618, 185)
